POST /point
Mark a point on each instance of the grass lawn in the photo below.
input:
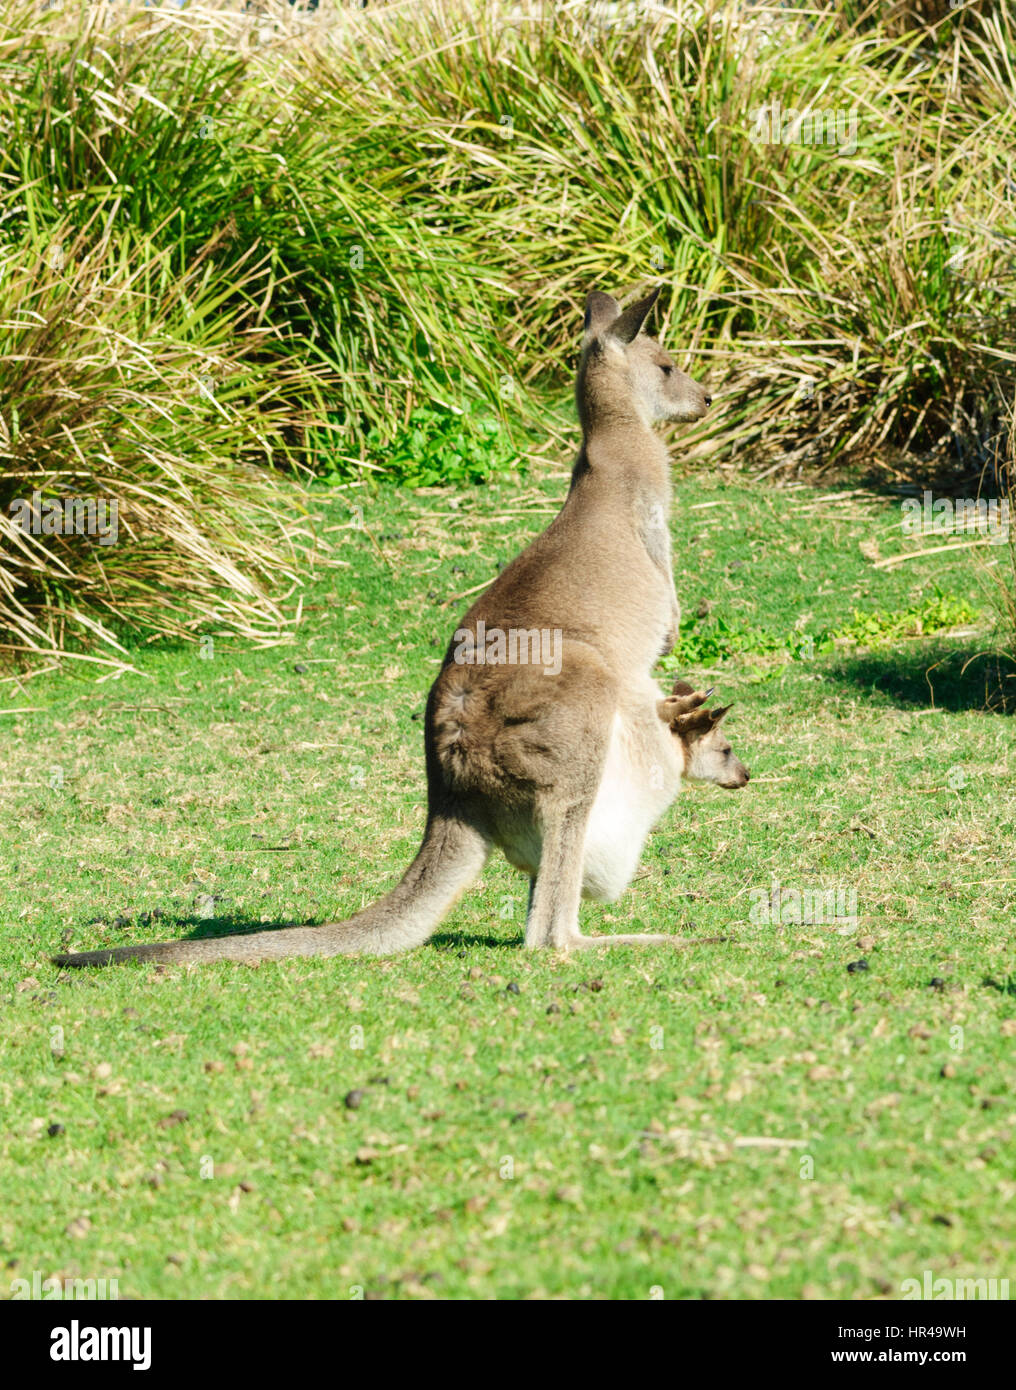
(751, 1120)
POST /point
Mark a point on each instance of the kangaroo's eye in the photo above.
(666, 370)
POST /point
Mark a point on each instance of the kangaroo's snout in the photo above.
(738, 777)
(673, 395)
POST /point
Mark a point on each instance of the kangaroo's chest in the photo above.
(654, 533)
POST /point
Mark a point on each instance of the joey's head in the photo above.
(624, 372)
(708, 756)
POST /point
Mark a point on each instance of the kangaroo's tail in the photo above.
(451, 856)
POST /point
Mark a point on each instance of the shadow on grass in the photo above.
(168, 928)
(942, 678)
(452, 940)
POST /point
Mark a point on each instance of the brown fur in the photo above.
(515, 756)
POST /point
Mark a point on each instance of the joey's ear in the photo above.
(694, 724)
(626, 328)
(601, 311)
(717, 714)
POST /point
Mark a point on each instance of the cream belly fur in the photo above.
(641, 777)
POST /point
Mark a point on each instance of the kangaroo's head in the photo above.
(624, 373)
(708, 756)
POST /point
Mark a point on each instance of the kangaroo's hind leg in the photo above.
(553, 918)
(570, 834)
(555, 893)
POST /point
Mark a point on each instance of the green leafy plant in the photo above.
(443, 445)
(708, 638)
(937, 613)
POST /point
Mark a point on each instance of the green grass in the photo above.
(578, 1137)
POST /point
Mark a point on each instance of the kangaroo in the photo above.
(566, 766)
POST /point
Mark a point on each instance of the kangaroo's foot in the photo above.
(680, 943)
(681, 702)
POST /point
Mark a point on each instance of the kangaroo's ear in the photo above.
(717, 714)
(626, 328)
(693, 725)
(601, 311)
